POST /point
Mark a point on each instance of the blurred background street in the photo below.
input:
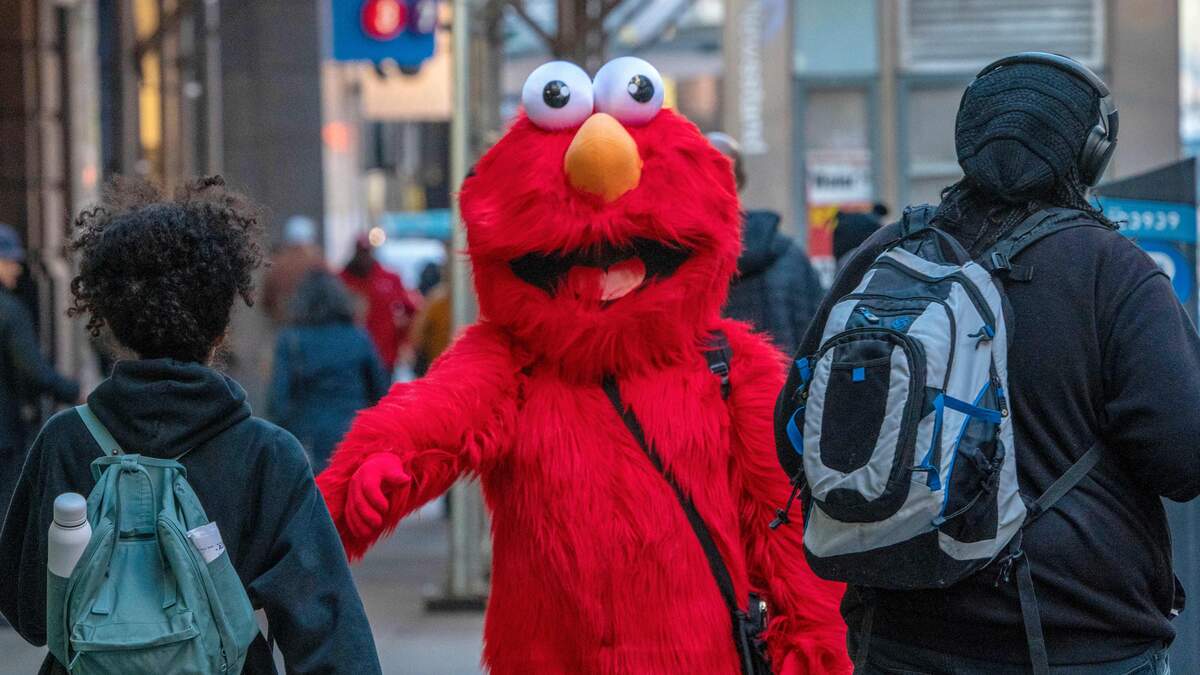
(353, 122)
(394, 580)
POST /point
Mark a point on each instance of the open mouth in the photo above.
(605, 273)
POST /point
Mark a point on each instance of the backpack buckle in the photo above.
(1000, 262)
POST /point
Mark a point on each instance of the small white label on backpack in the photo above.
(207, 540)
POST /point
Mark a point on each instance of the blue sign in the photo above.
(430, 224)
(1144, 219)
(1174, 264)
(378, 31)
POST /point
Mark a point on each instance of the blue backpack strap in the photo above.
(108, 444)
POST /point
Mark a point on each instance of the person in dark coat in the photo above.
(776, 289)
(1102, 352)
(851, 231)
(163, 276)
(22, 368)
(326, 368)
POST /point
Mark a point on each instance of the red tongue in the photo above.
(607, 285)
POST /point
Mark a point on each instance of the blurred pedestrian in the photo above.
(22, 367)
(431, 276)
(326, 368)
(389, 308)
(298, 254)
(1101, 355)
(432, 329)
(163, 275)
(776, 289)
(851, 231)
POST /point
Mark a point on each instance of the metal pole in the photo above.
(214, 134)
(465, 587)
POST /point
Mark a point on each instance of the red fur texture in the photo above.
(595, 568)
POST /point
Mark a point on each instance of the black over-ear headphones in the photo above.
(1102, 139)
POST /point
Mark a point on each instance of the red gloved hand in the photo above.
(369, 496)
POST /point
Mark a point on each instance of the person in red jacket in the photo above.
(588, 403)
(389, 310)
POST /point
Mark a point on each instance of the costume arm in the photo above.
(806, 634)
(421, 437)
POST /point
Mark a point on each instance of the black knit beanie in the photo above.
(1021, 128)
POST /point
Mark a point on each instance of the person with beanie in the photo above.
(23, 370)
(851, 230)
(776, 290)
(1102, 353)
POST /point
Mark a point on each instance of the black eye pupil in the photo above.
(556, 94)
(641, 88)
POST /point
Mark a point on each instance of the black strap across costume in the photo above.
(745, 631)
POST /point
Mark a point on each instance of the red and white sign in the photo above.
(384, 20)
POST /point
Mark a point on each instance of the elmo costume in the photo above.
(603, 231)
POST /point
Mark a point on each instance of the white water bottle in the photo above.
(69, 534)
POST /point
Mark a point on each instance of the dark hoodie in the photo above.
(776, 289)
(255, 484)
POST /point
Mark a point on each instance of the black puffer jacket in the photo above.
(776, 289)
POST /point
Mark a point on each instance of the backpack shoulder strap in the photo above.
(1063, 485)
(719, 354)
(916, 218)
(1017, 561)
(1044, 223)
(108, 444)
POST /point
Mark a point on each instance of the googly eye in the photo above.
(557, 95)
(629, 89)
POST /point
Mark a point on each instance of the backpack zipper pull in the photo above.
(984, 334)
(781, 515)
(1000, 399)
(868, 314)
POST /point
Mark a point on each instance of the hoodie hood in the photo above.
(761, 241)
(162, 407)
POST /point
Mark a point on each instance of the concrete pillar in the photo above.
(757, 107)
(1143, 73)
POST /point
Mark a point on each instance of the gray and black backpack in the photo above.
(902, 421)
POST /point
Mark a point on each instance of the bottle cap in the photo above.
(70, 509)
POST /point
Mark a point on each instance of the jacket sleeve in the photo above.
(302, 580)
(806, 635)
(23, 552)
(27, 360)
(1152, 388)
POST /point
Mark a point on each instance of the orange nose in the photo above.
(603, 158)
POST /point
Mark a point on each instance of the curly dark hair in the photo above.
(163, 274)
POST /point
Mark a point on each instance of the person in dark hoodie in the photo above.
(1103, 352)
(163, 275)
(22, 367)
(776, 289)
(326, 368)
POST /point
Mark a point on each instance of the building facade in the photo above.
(161, 89)
(876, 85)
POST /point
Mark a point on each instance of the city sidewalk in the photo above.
(393, 580)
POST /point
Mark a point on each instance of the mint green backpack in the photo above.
(142, 599)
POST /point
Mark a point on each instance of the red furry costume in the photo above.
(595, 567)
